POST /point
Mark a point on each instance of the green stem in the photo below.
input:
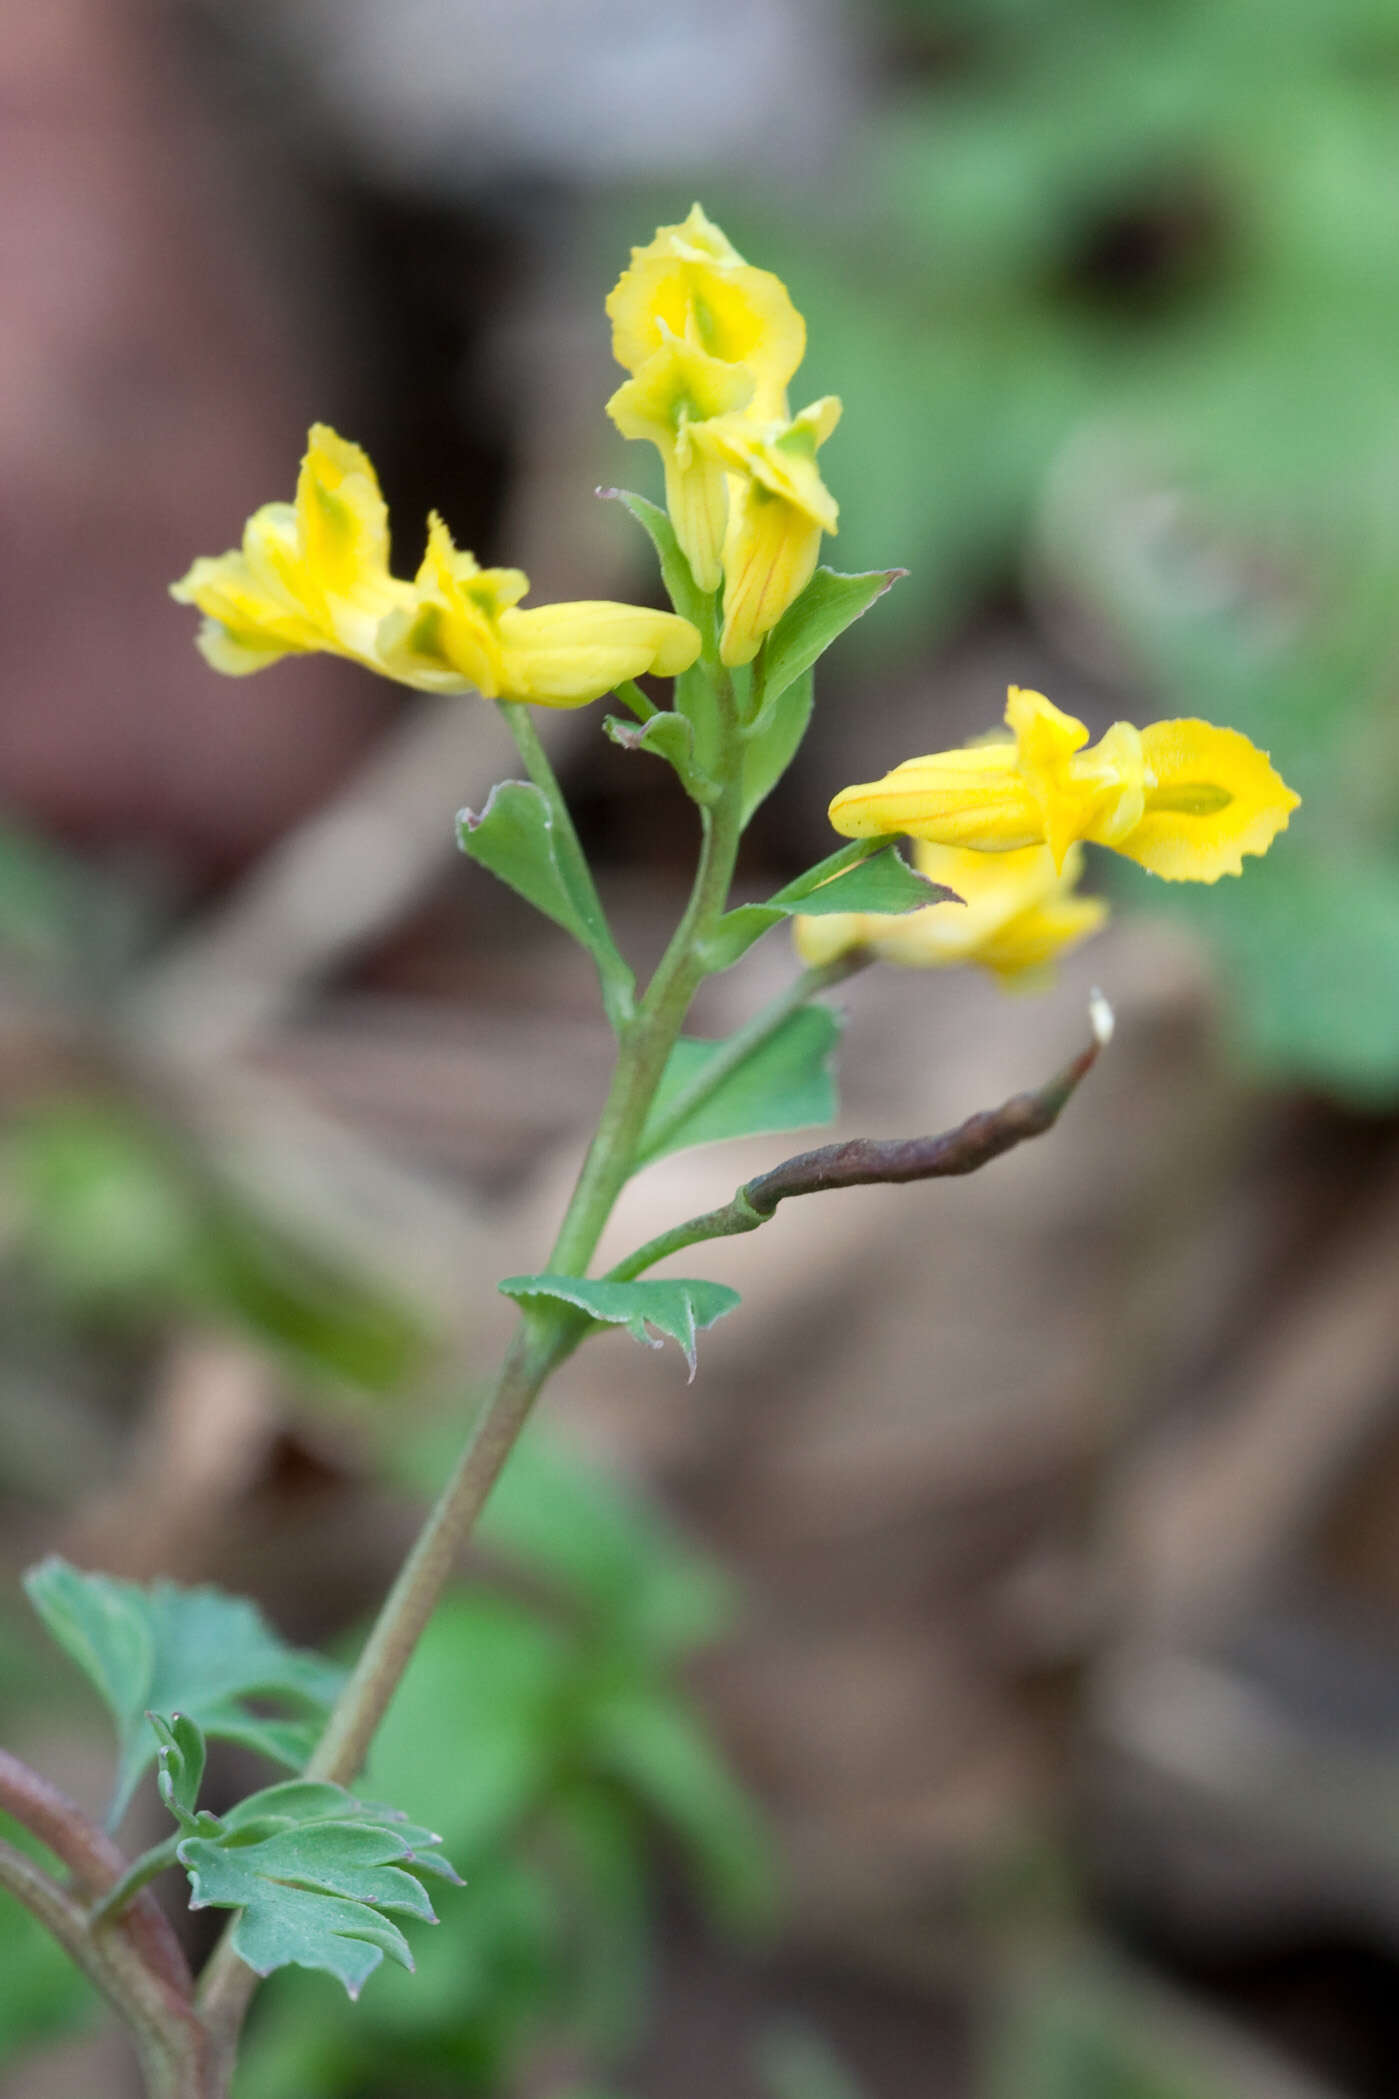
(735, 1052)
(172, 2045)
(648, 1042)
(631, 695)
(618, 985)
(539, 1346)
(95, 1862)
(723, 1223)
(136, 1875)
(861, 1162)
(545, 1337)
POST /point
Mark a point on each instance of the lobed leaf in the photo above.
(676, 1306)
(197, 1652)
(313, 1870)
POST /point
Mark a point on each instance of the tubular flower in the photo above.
(314, 574)
(311, 574)
(780, 509)
(1185, 799)
(1018, 914)
(465, 628)
(690, 282)
(675, 393)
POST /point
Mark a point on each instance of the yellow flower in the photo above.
(780, 507)
(1185, 799)
(690, 282)
(313, 574)
(1018, 914)
(465, 628)
(678, 389)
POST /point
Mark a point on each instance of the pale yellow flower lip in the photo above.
(1212, 798)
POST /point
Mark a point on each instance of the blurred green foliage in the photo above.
(1111, 291)
(544, 1732)
(544, 1729)
(43, 1997)
(1091, 2028)
(550, 1745)
(157, 1647)
(120, 1222)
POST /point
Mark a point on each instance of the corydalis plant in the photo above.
(710, 344)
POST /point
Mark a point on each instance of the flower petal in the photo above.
(975, 797)
(1211, 797)
(565, 655)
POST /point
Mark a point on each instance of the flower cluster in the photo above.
(711, 343)
(314, 574)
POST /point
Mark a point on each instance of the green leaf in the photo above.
(43, 1996)
(514, 837)
(1310, 949)
(612, 1554)
(786, 1084)
(680, 585)
(864, 877)
(882, 881)
(829, 604)
(313, 1872)
(1094, 2025)
(656, 1746)
(694, 694)
(124, 1220)
(772, 741)
(676, 1306)
(796, 2062)
(192, 1651)
(667, 736)
(179, 1763)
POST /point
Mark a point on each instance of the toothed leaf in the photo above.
(648, 1310)
(314, 1873)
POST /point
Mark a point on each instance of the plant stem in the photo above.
(96, 1863)
(141, 1870)
(861, 1162)
(173, 2047)
(631, 695)
(735, 1052)
(539, 1345)
(647, 1043)
(545, 1337)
